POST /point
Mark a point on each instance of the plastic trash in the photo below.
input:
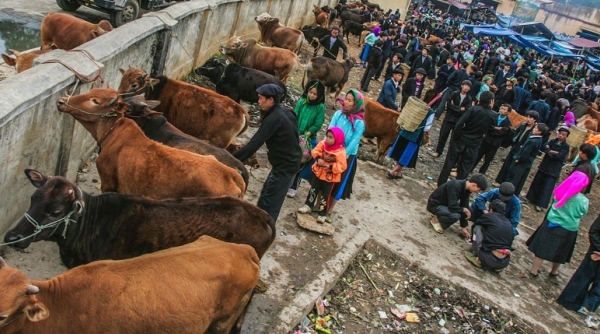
(382, 315)
(412, 317)
(320, 306)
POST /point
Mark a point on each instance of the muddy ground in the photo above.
(393, 214)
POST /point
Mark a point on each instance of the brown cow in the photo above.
(157, 128)
(380, 122)
(64, 31)
(588, 123)
(331, 73)
(321, 17)
(278, 62)
(516, 119)
(130, 163)
(202, 287)
(197, 111)
(594, 113)
(273, 33)
(22, 60)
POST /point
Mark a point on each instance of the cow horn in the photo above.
(2, 262)
(32, 289)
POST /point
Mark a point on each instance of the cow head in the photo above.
(93, 106)
(18, 299)
(22, 60)
(213, 69)
(140, 107)
(55, 205)
(101, 28)
(252, 161)
(316, 9)
(263, 18)
(233, 45)
(135, 80)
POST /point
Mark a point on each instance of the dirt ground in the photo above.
(393, 213)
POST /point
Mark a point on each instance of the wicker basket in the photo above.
(576, 137)
(406, 69)
(413, 114)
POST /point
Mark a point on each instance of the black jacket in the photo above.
(454, 107)
(454, 195)
(500, 77)
(389, 70)
(374, 57)
(495, 137)
(442, 76)
(444, 54)
(474, 124)
(456, 78)
(331, 51)
(497, 231)
(552, 163)
(419, 62)
(409, 89)
(279, 130)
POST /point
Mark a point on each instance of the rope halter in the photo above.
(40, 228)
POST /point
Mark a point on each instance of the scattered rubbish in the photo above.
(517, 295)
(591, 322)
(437, 291)
(390, 294)
(403, 308)
(400, 315)
(320, 306)
(429, 178)
(382, 315)
(442, 322)
(485, 320)
(352, 309)
(412, 317)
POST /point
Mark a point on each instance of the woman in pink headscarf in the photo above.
(554, 240)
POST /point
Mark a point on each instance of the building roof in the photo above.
(584, 43)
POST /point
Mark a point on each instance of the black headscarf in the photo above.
(320, 92)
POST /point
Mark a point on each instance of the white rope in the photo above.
(40, 228)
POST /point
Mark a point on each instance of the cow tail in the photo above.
(246, 123)
(303, 78)
(271, 223)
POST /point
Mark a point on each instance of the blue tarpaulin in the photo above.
(494, 32)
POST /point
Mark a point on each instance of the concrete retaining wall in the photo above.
(33, 134)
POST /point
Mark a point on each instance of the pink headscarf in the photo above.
(570, 187)
(569, 118)
(338, 135)
(358, 112)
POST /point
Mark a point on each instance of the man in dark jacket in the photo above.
(424, 62)
(386, 49)
(279, 130)
(332, 44)
(400, 48)
(522, 133)
(389, 91)
(523, 159)
(444, 55)
(501, 75)
(449, 203)
(454, 81)
(541, 107)
(540, 190)
(493, 238)
(468, 135)
(443, 74)
(413, 86)
(493, 138)
(492, 65)
(395, 63)
(373, 62)
(458, 103)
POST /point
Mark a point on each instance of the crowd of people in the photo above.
(480, 81)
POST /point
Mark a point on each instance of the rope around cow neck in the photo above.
(40, 228)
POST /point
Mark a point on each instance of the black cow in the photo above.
(349, 16)
(355, 29)
(317, 31)
(156, 127)
(115, 226)
(236, 81)
(332, 12)
(371, 5)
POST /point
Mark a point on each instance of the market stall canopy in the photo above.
(584, 43)
(494, 32)
(456, 4)
(533, 29)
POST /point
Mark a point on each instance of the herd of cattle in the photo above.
(172, 196)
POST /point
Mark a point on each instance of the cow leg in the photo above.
(382, 146)
(237, 328)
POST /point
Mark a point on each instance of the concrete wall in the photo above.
(568, 19)
(33, 134)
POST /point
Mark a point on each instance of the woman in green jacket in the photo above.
(310, 111)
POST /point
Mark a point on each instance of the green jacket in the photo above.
(310, 117)
(569, 215)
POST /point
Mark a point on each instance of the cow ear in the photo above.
(153, 104)
(244, 45)
(36, 312)
(10, 61)
(122, 70)
(36, 178)
(2, 262)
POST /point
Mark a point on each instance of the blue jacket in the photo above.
(387, 95)
(352, 139)
(512, 212)
(542, 108)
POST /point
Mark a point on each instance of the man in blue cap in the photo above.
(279, 130)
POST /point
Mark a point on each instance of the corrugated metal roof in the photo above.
(584, 43)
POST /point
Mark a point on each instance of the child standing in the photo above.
(330, 163)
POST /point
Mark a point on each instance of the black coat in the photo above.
(500, 77)
(331, 51)
(279, 130)
(497, 231)
(454, 107)
(474, 124)
(390, 68)
(442, 76)
(420, 63)
(495, 137)
(374, 57)
(452, 194)
(409, 89)
(552, 163)
(444, 54)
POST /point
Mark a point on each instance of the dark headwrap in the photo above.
(320, 92)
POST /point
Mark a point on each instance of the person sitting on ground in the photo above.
(492, 239)
(505, 193)
(450, 202)
(330, 163)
